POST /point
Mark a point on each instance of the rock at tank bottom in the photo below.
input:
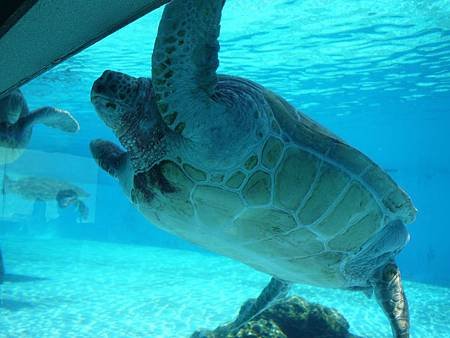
(291, 318)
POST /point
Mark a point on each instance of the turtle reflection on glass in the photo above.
(16, 124)
(36, 188)
(40, 187)
(225, 163)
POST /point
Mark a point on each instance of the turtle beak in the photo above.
(102, 87)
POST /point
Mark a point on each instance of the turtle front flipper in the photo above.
(391, 297)
(108, 156)
(184, 63)
(272, 293)
(51, 117)
(83, 210)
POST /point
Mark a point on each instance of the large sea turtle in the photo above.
(225, 163)
(16, 122)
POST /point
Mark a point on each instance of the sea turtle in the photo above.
(35, 188)
(16, 123)
(225, 163)
(40, 187)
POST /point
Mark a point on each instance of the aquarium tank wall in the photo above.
(79, 259)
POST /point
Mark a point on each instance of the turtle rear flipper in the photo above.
(53, 118)
(391, 297)
(275, 291)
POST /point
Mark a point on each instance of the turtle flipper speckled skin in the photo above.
(227, 164)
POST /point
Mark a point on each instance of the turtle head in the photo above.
(127, 105)
(11, 107)
(118, 97)
(66, 197)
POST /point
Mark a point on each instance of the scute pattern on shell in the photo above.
(291, 208)
(320, 141)
(261, 218)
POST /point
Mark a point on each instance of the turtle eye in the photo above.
(111, 105)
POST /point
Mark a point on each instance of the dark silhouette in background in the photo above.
(2, 268)
(69, 200)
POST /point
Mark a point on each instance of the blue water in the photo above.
(375, 73)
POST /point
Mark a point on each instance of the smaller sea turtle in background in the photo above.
(44, 188)
(48, 189)
(16, 123)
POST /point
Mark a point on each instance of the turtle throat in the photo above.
(145, 136)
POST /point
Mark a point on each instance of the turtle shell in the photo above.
(297, 208)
